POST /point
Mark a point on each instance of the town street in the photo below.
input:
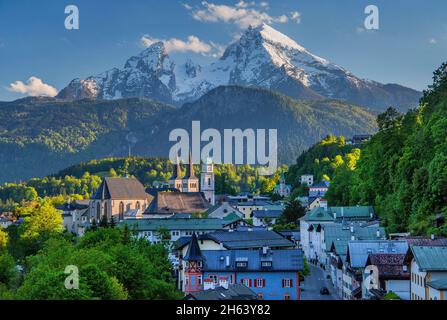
(313, 283)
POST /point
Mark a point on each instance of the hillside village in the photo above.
(229, 247)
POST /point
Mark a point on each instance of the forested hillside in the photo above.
(40, 136)
(403, 169)
(82, 180)
(323, 160)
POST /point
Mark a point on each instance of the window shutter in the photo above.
(249, 283)
(291, 283)
(263, 283)
(283, 283)
(256, 283)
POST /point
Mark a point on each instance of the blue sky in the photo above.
(410, 44)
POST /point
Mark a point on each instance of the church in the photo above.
(123, 198)
(190, 183)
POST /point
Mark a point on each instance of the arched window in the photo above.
(98, 211)
(121, 211)
(138, 205)
(106, 210)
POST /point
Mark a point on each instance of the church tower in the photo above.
(176, 180)
(190, 181)
(193, 267)
(207, 181)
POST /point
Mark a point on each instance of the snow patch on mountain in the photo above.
(263, 57)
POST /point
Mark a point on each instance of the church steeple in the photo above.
(190, 170)
(190, 181)
(176, 179)
(177, 173)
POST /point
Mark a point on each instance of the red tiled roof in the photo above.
(390, 265)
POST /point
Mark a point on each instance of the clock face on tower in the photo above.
(209, 168)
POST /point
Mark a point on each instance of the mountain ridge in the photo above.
(263, 57)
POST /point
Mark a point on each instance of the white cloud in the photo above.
(192, 44)
(33, 87)
(295, 16)
(243, 14)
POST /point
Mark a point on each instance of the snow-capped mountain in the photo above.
(263, 57)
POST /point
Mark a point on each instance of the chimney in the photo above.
(352, 229)
(223, 282)
(323, 204)
(208, 284)
(352, 238)
(378, 233)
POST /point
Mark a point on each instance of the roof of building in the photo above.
(253, 203)
(390, 265)
(182, 216)
(121, 189)
(290, 233)
(340, 213)
(222, 210)
(191, 224)
(243, 239)
(318, 214)
(194, 253)
(234, 292)
(440, 284)
(260, 214)
(319, 185)
(337, 235)
(280, 260)
(153, 191)
(430, 258)
(74, 205)
(425, 241)
(359, 250)
(178, 202)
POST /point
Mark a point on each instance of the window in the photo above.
(246, 282)
(287, 283)
(259, 283)
(106, 209)
(286, 296)
(213, 277)
(199, 280)
(98, 212)
(121, 211)
(266, 264)
(241, 264)
(138, 205)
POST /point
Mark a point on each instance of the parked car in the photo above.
(324, 291)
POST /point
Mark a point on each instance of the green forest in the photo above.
(402, 171)
(37, 258)
(81, 181)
